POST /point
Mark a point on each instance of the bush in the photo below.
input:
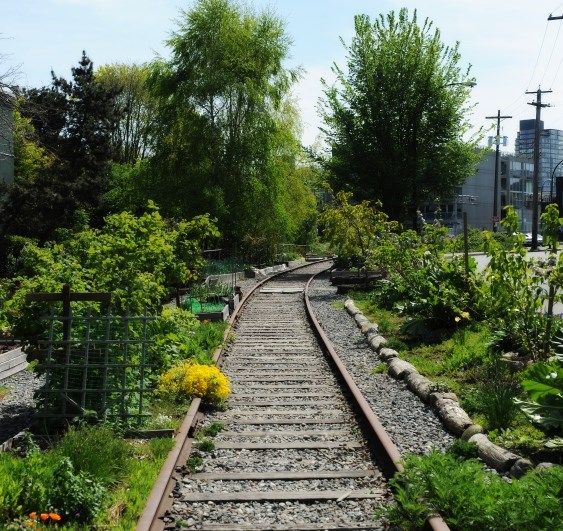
(194, 380)
(82, 446)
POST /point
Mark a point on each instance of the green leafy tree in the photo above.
(395, 119)
(354, 229)
(130, 137)
(224, 142)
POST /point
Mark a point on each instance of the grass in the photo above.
(4, 391)
(460, 361)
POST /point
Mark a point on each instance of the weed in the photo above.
(206, 445)
(194, 463)
(439, 483)
(380, 369)
(213, 429)
(4, 391)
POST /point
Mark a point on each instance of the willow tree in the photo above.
(222, 136)
(395, 118)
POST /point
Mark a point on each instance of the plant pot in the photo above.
(214, 317)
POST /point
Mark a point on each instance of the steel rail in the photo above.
(386, 452)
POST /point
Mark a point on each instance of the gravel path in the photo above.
(16, 408)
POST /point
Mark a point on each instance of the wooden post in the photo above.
(67, 297)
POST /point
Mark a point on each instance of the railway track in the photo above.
(299, 448)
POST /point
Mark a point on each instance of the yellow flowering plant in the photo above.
(194, 380)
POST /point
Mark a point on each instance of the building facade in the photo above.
(551, 154)
(6, 145)
(476, 197)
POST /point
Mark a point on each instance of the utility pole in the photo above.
(551, 17)
(538, 105)
(498, 118)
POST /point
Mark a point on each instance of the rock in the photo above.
(495, 456)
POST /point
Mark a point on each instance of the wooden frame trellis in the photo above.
(94, 365)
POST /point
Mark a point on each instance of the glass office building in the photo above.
(551, 154)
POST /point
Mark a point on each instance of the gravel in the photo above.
(16, 408)
(411, 424)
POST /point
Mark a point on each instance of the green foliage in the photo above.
(206, 445)
(227, 133)
(354, 229)
(469, 498)
(512, 293)
(194, 462)
(476, 239)
(463, 449)
(45, 483)
(178, 335)
(74, 495)
(213, 429)
(82, 444)
(395, 119)
(137, 259)
(543, 383)
(524, 439)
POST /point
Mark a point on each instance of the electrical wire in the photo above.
(539, 55)
(551, 54)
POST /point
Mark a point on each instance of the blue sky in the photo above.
(511, 46)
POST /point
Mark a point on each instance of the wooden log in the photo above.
(419, 385)
(377, 343)
(351, 308)
(452, 415)
(387, 353)
(496, 457)
(399, 368)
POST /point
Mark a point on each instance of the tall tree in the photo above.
(131, 135)
(396, 118)
(74, 121)
(219, 144)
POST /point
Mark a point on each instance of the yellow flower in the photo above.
(457, 319)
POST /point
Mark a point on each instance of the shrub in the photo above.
(194, 380)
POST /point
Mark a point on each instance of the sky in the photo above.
(511, 46)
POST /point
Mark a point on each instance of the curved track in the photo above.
(299, 445)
